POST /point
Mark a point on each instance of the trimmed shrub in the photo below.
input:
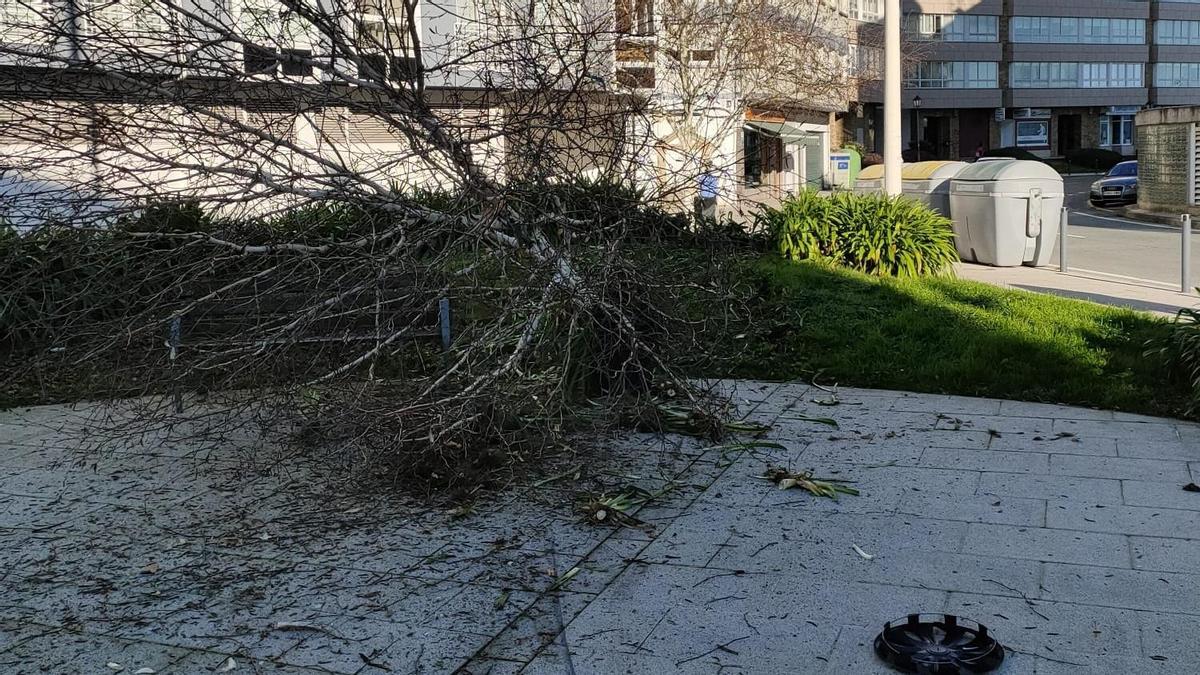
(1015, 153)
(1181, 352)
(1098, 159)
(876, 234)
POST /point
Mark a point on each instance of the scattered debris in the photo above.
(501, 600)
(993, 433)
(369, 659)
(862, 553)
(735, 449)
(291, 626)
(152, 568)
(1191, 487)
(821, 487)
(462, 511)
(562, 580)
(695, 421)
(144, 671)
(828, 421)
(227, 665)
(604, 509)
(115, 667)
(573, 474)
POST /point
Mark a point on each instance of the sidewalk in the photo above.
(1067, 531)
(1135, 294)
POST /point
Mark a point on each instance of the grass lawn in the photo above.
(948, 336)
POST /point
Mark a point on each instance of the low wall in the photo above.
(1165, 138)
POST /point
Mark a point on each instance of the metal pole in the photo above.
(1062, 240)
(891, 98)
(1185, 271)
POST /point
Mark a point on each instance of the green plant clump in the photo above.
(875, 234)
(1181, 350)
(1098, 159)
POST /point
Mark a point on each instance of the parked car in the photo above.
(1118, 187)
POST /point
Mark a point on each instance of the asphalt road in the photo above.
(1103, 241)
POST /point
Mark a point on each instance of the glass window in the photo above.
(954, 75)
(1053, 29)
(1071, 75)
(1116, 130)
(1177, 75)
(1177, 32)
(953, 27)
(1033, 133)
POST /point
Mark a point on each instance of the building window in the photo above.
(1177, 75)
(1116, 130)
(1069, 75)
(751, 158)
(1033, 133)
(1177, 32)
(862, 10)
(866, 61)
(635, 17)
(1070, 30)
(953, 27)
(953, 75)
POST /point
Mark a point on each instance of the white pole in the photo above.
(891, 98)
(1185, 258)
(1063, 228)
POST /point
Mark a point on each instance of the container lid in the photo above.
(1008, 169)
(939, 169)
(873, 172)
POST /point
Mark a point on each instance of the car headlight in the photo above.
(1096, 186)
(1129, 188)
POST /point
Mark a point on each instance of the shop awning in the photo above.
(784, 131)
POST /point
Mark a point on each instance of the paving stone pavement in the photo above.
(1066, 530)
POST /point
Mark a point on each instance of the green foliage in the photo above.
(811, 321)
(1180, 350)
(1099, 159)
(1014, 153)
(876, 234)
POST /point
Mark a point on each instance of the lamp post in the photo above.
(891, 97)
(916, 102)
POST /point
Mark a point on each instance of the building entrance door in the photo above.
(1069, 133)
(972, 131)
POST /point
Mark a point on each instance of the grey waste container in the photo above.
(929, 183)
(870, 179)
(1006, 211)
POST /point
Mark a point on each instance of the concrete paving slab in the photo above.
(1066, 530)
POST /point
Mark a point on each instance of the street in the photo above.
(1102, 241)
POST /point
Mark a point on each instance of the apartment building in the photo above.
(752, 95)
(761, 116)
(104, 97)
(1045, 77)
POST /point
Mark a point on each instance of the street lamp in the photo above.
(916, 104)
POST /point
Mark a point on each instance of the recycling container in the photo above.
(929, 183)
(870, 179)
(1006, 211)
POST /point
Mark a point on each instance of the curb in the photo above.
(1152, 216)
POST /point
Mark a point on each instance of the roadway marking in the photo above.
(1126, 221)
(1156, 282)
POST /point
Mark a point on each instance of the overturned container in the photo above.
(929, 183)
(1006, 212)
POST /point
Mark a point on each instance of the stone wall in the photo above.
(1163, 155)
